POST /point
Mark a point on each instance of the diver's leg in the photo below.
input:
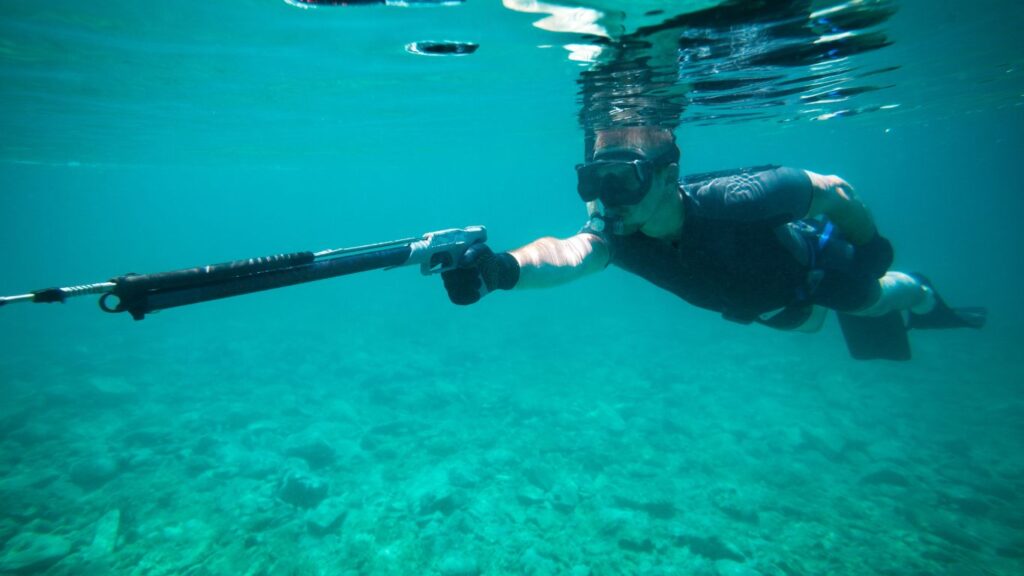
(877, 330)
(899, 291)
(915, 294)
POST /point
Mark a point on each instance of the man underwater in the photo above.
(773, 245)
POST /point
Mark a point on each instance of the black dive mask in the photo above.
(619, 177)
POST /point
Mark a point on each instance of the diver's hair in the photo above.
(653, 141)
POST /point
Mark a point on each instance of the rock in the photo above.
(565, 496)
(32, 553)
(97, 559)
(734, 505)
(886, 476)
(442, 446)
(463, 476)
(830, 448)
(733, 568)
(257, 465)
(614, 520)
(529, 495)
(111, 389)
(966, 505)
(608, 418)
(327, 516)
(207, 446)
(302, 490)
(33, 432)
(431, 494)
(396, 429)
(739, 513)
(954, 534)
(643, 471)
(500, 458)
(160, 440)
(457, 564)
(199, 466)
(105, 540)
(636, 543)
(1009, 517)
(540, 476)
(1011, 550)
(440, 498)
(651, 503)
(254, 503)
(91, 473)
(709, 547)
(175, 548)
(535, 564)
(314, 450)
(1003, 491)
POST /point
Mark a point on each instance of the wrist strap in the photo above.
(500, 271)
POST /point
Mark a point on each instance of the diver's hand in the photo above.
(836, 199)
(480, 271)
(874, 257)
(830, 184)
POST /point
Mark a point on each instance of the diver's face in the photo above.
(621, 175)
(617, 178)
(663, 192)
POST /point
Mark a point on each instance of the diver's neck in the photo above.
(667, 222)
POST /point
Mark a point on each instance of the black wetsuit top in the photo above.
(735, 254)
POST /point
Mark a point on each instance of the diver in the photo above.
(772, 245)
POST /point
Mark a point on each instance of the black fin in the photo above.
(943, 316)
(875, 337)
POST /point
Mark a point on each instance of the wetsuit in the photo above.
(743, 249)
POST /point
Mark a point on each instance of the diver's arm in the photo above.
(834, 197)
(551, 261)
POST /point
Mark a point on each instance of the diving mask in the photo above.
(620, 177)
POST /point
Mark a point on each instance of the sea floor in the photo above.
(380, 449)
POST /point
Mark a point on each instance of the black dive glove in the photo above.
(480, 271)
(874, 257)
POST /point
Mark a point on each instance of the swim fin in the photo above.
(944, 316)
(875, 337)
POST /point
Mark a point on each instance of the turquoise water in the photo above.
(364, 425)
